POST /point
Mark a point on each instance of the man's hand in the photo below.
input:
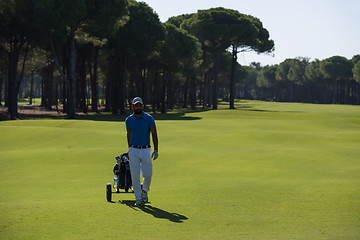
(155, 155)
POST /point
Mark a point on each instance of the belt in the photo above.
(140, 147)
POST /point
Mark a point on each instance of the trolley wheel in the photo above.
(108, 192)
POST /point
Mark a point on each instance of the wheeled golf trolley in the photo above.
(122, 177)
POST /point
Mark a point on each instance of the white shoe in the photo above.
(139, 203)
(144, 196)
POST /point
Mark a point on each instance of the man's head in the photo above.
(137, 105)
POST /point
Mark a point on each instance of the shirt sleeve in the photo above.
(151, 121)
(127, 123)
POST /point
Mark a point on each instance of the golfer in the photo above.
(139, 125)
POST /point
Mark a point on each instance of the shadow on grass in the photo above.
(252, 109)
(178, 114)
(156, 212)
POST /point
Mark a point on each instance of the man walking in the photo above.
(139, 125)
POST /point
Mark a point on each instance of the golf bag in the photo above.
(122, 170)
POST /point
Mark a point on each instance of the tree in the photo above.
(356, 76)
(266, 80)
(248, 84)
(105, 17)
(282, 79)
(131, 48)
(297, 77)
(290, 75)
(88, 50)
(178, 20)
(315, 82)
(356, 71)
(179, 51)
(218, 28)
(38, 59)
(58, 21)
(191, 68)
(248, 35)
(211, 28)
(296, 72)
(339, 69)
(3, 72)
(14, 20)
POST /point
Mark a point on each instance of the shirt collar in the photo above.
(141, 116)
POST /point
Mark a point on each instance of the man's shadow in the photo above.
(156, 212)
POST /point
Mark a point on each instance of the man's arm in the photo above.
(128, 136)
(154, 137)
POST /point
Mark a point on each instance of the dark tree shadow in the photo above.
(175, 114)
(156, 212)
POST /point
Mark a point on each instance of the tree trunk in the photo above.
(193, 92)
(12, 81)
(186, 87)
(204, 90)
(346, 91)
(31, 87)
(163, 93)
(170, 95)
(143, 81)
(72, 77)
(61, 72)
(108, 97)
(64, 70)
(232, 80)
(216, 60)
(94, 83)
(64, 96)
(122, 85)
(207, 90)
(154, 95)
(18, 82)
(82, 83)
(132, 84)
(335, 91)
(113, 86)
(1, 88)
(47, 86)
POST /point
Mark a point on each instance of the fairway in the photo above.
(262, 171)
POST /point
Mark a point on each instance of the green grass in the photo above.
(262, 171)
(25, 101)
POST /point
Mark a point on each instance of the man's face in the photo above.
(138, 107)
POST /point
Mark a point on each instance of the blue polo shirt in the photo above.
(140, 128)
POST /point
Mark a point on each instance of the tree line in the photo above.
(334, 80)
(84, 53)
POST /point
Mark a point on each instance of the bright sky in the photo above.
(316, 29)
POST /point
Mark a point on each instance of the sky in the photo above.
(316, 29)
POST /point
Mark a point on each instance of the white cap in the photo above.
(136, 100)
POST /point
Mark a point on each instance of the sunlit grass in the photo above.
(262, 171)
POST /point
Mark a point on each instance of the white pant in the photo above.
(140, 160)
